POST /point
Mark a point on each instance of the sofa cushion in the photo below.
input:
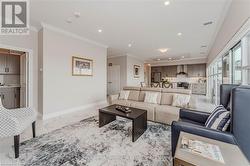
(181, 100)
(151, 97)
(166, 99)
(122, 102)
(124, 95)
(146, 106)
(166, 114)
(219, 119)
(143, 93)
(134, 95)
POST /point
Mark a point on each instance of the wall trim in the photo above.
(56, 29)
(242, 31)
(88, 108)
(219, 25)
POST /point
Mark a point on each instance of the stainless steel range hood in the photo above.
(182, 70)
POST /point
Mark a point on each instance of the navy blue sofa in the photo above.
(194, 121)
(238, 97)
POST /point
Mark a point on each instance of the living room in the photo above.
(125, 82)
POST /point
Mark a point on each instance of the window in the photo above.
(237, 64)
(225, 69)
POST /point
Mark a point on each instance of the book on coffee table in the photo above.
(203, 149)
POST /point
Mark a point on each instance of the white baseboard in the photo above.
(88, 108)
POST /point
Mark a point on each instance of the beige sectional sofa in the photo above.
(163, 111)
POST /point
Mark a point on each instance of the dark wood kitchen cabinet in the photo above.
(196, 70)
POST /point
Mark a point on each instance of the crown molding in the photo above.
(70, 34)
(244, 30)
(219, 25)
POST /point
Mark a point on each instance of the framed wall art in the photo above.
(82, 66)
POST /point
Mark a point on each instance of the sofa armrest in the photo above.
(193, 115)
(111, 98)
(177, 127)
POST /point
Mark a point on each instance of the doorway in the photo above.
(14, 78)
(113, 79)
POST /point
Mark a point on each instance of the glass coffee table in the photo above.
(138, 117)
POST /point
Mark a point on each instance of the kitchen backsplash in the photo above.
(9, 79)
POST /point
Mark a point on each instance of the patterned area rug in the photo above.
(84, 143)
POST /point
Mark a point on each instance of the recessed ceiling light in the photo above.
(166, 3)
(158, 59)
(99, 30)
(77, 14)
(169, 58)
(163, 50)
(183, 57)
(129, 45)
(179, 34)
(208, 23)
(69, 20)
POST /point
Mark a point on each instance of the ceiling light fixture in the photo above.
(169, 58)
(100, 30)
(69, 20)
(149, 64)
(179, 34)
(163, 50)
(129, 45)
(158, 59)
(166, 3)
(183, 57)
(77, 14)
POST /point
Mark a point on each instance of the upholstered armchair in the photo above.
(194, 121)
(14, 121)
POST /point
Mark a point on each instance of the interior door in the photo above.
(113, 79)
(23, 80)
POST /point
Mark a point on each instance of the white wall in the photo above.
(126, 64)
(26, 42)
(63, 92)
(131, 80)
(238, 13)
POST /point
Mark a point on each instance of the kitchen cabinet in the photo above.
(9, 64)
(10, 97)
(170, 71)
(2, 63)
(196, 70)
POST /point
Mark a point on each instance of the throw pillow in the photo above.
(219, 119)
(151, 97)
(124, 95)
(181, 100)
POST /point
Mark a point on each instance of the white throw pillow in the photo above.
(181, 100)
(151, 97)
(124, 95)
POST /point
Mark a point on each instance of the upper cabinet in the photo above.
(9, 64)
(196, 70)
(171, 71)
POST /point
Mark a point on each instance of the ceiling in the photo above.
(145, 24)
